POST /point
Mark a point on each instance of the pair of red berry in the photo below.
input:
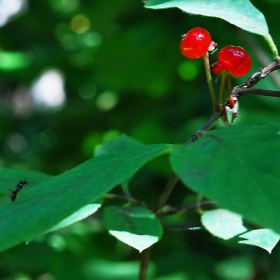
(235, 60)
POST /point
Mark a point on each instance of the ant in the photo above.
(20, 185)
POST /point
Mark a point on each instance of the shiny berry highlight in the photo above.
(196, 43)
(234, 60)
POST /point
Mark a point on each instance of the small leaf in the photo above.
(238, 168)
(238, 12)
(139, 242)
(138, 227)
(264, 238)
(223, 223)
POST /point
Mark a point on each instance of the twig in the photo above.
(175, 210)
(144, 263)
(125, 198)
(255, 78)
(166, 192)
(256, 91)
(204, 128)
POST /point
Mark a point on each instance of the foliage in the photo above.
(123, 73)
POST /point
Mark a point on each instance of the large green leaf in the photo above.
(44, 205)
(238, 12)
(238, 167)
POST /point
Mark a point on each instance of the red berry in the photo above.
(218, 68)
(196, 43)
(235, 60)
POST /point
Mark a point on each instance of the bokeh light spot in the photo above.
(87, 91)
(57, 242)
(107, 100)
(9, 8)
(17, 143)
(188, 70)
(80, 24)
(92, 39)
(65, 6)
(10, 61)
(47, 92)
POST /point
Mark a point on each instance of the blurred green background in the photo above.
(77, 73)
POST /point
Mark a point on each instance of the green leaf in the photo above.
(238, 12)
(264, 238)
(45, 205)
(138, 227)
(222, 223)
(238, 167)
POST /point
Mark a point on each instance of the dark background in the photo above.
(123, 73)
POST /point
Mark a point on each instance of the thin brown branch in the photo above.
(166, 192)
(125, 198)
(144, 263)
(255, 91)
(206, 127)
(194, 205)
(256, 77)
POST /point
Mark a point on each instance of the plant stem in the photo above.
(183, 208)
(166, 192)
(204, 128)
(273, 47)
(144, 263)
(256, 77)
(256, 91)
(129, 199)
(210, 83)
(222, 95)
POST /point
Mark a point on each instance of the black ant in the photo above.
(20, 185)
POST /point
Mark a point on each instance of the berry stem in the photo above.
(222, 95)
(229, 84)
(210, 83)
(272, 46)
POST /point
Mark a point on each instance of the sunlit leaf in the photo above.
(264, 238)
(223, 223)
(77, 216)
